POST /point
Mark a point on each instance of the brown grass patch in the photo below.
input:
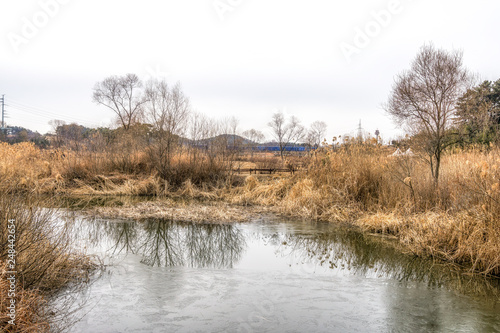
(44, 260)
(458, 222)
(215, 212)
(30, 308)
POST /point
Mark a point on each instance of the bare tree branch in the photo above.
(122, 95)
(423, 99)
(286, 133)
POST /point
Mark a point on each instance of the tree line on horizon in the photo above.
(437, 101)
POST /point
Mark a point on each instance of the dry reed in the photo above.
(29, 315)
(458, 221)
(214, 212)
(359, 184)
(44, 261)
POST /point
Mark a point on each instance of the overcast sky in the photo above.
(317, 59)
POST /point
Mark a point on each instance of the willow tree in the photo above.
(423, 99)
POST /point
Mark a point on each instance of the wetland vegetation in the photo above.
(439, 200)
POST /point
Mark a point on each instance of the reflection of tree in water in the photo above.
(123, 234)
(161, 244)
(119, 235)
(368, 255)
(213, 245)
(167, 243)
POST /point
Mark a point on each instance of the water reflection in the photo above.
(283, 276)
(213, 245)
(123, 234)
(373, 256)
(165, 243)
(169, 243)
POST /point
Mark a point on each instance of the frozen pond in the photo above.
(271, 276)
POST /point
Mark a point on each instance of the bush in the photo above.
(44, 259)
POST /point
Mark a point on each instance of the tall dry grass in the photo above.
(25, 168)
(360, 184)
(458, 220)
(44, 261)
(30, 311)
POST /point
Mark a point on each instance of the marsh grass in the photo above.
(45, 263)
(186, 211)
(27, 169)
(30, 311)
(457, 221)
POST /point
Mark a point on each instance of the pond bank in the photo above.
(208, 212)
(465, 238)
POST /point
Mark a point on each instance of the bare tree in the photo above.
(228, 128)
(196, 124)
(286, 133)
(167, 110)
(254, 137)
(203, 132)
(424, 98)
(71, 135)
(195, 131)
(121, 94)
(316, 133)
(55, 124)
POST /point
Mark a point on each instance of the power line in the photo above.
(46, 114)
(37, 110)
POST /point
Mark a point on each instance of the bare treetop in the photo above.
(286, 133)
(316, 133)
(427, 93)
(122, 95)
(423, 99)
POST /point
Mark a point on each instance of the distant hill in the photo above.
(229, 139)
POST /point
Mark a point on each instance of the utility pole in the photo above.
(3, 112)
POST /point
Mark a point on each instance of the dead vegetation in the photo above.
(459, 221)
(456, 220)
(44, 261)
(29, 311)
(186, 211)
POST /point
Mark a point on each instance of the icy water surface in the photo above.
(271, 276)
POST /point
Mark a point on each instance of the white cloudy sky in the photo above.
(243, 58)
